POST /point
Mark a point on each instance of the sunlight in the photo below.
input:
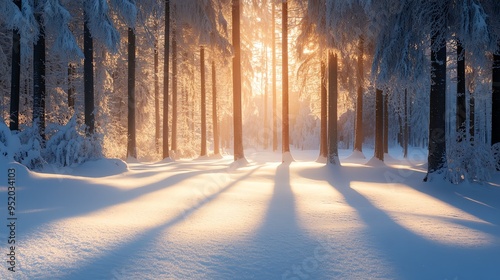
(426, 216)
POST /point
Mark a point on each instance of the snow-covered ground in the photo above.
(206, 219)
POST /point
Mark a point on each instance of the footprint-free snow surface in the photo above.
(211, 219)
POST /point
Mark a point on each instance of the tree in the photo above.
(238, 124)
(273, 70)
(386, 123)
(39, 77)
(379, 125)
(174, 82)
(88, 75)
(285, 139)
(495, 103)
(358, 137)
(333, 154)
(156, 65)
(15, 81)
(203, 104)
(437, 122)
(461, 113)
(131, 132)
(215, 120)
(323, 147)
(165, 79)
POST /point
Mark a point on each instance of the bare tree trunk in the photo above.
(273, 39)
(284, 44)
(131, 139)
(323, 145)
(237, 118)
(71, 86)
(215, 119)
(203, 104)
(386, 123)
(437, 122)
(157, 90)
(39, 79)
(174, 84)
(88, 73)
(166, 51)
(461, 114)
(15, 81)
(333, 154)
(406, 132)
(495, 105)
(359, 137)
(379, 125)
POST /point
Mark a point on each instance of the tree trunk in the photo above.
(88, 76)
(495, 105)
(358, 137)
(386, 123)
(15, 81)
(157, 92)
(266, 82)
(323, 146)
(71, 86)
(333, 154)
(406, 132)
(273, 43)
(285, 118)
(166, 52)
(131, 139)
(174, 84)
(215, 119)
(237, 118)
(437, 123)
(461, 114)
(39, 79)
(203, 104)
(379, 125)
(471, 118)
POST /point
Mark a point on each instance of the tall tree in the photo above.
(15, 81)
(323, 147)
(333, 154)
(437, 105)
(495, 104)
(461, 113)
(131, 132)
(203, 104)
(358, 137)
(174, 82)
(165, 79)
(285, 139)
(273, 70)
(215, 120)
(386, 123)
(406, 127)
(379, 124)
(39, 76)
(88, 75)
(237, 118)
(71, 85)
(156, 65)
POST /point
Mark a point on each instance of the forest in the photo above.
(152, 80)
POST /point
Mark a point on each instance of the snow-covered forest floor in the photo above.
(206, 219)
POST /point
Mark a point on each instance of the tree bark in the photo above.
(88, 76)
(157, 91)
(386, 123)
(215, 119)
(495, 105)
(358, 137)
(379, 125)
(166, 52)
(15, 81)
(284, 44)
(406, 129)
(39, 79)
(437, 123)
(461, 113)
(203, 104)
(237, 118)
(273, 51)
(323, 146)
(333, 154)
(174, 85)
(131, 139)
(71, 86)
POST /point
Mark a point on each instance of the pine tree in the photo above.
(379, 124)
(165, 79)
(358, 137)
(131, 131)
(273, 62)
(495, 104)
(88, 74)
(237, 118)
(215, 120)
(15, 82)
(333, 154)
(39, 77)
(284, 55)
(323, 147)
(203, 104)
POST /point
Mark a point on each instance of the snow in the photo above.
(211, 219)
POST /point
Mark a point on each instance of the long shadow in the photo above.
(122, 256)
(75, 198)
(277, 247)
(410, 255)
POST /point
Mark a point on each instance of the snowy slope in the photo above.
(201, 219)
